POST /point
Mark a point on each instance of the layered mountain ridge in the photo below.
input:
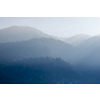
(27, 42)
(19, 33)
(28, 55)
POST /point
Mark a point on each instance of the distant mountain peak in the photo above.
(77, 39)
(19, 33)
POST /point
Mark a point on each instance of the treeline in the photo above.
(42, 70)
(45, 70)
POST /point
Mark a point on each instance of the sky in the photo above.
(56, 26)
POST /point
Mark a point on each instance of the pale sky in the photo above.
(57, 26)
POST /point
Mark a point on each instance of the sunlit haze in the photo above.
(57, 26)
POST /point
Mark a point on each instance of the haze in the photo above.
(32, 53)
(56, 26)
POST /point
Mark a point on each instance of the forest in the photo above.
(44, 70)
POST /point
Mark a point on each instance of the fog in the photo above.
(31, 56)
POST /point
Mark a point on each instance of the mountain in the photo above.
(28, 55)
(42, 70)
(87, 53)
(19, 33)
(37, 47)
(77, 39)
(45, 70)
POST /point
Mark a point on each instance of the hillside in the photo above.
(40, 47)
(19, 33)
(38, 71)
(45, 70)
(27, 48)
(87, 53)
(76, 39)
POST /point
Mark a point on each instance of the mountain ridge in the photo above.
(19, 33)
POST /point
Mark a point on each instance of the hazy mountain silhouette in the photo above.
(76, 39)
(19, 33)
(86, 49)
(87, 53)
(20, 47)
(35, 48)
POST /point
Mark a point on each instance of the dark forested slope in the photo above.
(45, 70)
(37, 71)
